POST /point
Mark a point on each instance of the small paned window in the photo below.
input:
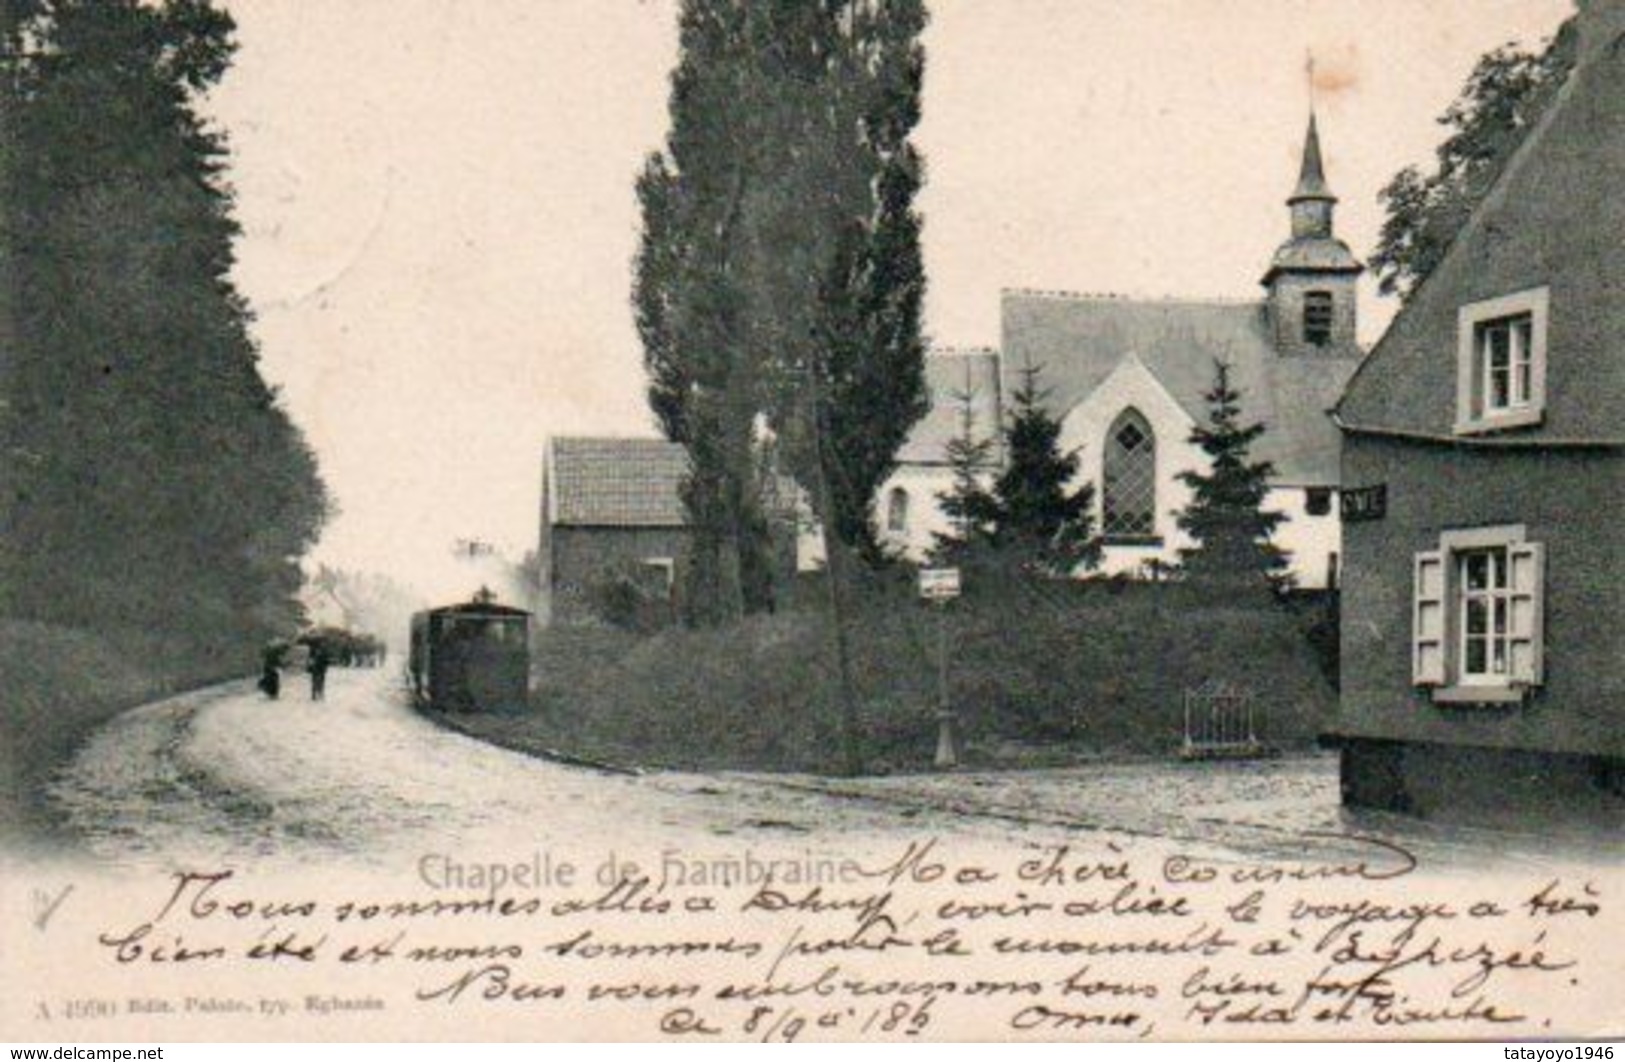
(1501, 362)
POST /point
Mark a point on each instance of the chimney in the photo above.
(1602, 25)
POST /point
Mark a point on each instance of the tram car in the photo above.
(473, 657)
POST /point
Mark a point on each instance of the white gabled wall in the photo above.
(1310, 540)
(925, 484)
(1083, 431)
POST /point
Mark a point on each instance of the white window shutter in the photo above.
(1428, 620)
(1527, 585)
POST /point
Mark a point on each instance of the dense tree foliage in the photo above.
(1029, 520)
(690, 301)
(161, 483)
(779, 283)
(1046, 525)
(1504, 98)
(969, 504)
(1225, 517)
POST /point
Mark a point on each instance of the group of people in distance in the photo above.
(316, 663)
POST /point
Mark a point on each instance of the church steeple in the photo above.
(1311, 280)
(1312, 201)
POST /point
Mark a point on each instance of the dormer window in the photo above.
(1501, 362)
(1504, 357)
(1317, 318)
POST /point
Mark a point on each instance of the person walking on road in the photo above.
(271, 674)
(318, 671)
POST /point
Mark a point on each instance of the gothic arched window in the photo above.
(1129, 493)
(897, 510)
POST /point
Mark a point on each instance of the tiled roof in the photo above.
(1079, 340)
(1552, 219)
(616, 482)
(950, 375)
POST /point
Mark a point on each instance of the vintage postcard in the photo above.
(773, 520)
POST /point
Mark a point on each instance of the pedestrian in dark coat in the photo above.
(271, 681)
(318, 665)
(271, 673)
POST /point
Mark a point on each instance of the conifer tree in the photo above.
(1226, 518)
(1042, 526)
(970, 506)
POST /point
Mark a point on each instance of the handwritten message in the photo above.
(1087, 939)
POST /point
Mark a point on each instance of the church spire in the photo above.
(1312, 174)
(1312, 201)
(1311, 279)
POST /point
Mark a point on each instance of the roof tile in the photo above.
(617, 482)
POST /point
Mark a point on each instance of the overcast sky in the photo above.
(437, 198)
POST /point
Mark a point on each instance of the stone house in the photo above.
(608, 506)
(1483, 654)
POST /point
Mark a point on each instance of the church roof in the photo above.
(950, 374)
(1079, 340)
(1314, 254)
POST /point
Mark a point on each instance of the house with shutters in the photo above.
(1484, 459)
(1127, 377)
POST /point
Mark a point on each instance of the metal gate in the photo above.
(1221, 720)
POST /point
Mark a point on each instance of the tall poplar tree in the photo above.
(690, 296)
(779, 282)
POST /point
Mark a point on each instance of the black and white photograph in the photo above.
(812, 521)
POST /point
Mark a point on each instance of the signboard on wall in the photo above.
(1365, 503)
(939, 584)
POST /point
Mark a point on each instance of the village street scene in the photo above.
(814, 518)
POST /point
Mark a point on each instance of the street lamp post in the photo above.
(940, 586)
(947, 739)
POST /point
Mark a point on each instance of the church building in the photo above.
(1127, 378)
